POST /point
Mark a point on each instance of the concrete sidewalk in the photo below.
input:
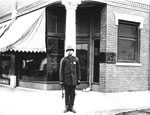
(22, 101)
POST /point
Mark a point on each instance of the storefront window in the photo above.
(4, 68)
(128, 42)
(34, 67)
(55, 20)
(55, 52)
(55, 24)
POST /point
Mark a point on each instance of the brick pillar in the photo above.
(103, 49)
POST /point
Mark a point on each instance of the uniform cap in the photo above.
(69, 48)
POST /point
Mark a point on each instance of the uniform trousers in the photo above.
(69, 95)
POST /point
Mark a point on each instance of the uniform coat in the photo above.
(69, 70)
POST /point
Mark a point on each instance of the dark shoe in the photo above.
(73, 110)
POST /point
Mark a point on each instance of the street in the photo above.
(22, 101)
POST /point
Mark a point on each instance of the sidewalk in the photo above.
(22, 101)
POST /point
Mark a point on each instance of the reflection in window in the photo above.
(34, 67)
(55, 51)
(128, 42)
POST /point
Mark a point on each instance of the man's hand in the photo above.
(62, 84)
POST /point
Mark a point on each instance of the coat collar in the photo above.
(69, 57)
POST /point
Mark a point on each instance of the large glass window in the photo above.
(4, 68)
(34, 67)
(55, 51)
(55, 24)
(128, 42)
(4, 65)
(55, 20)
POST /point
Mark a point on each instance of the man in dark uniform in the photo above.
(70, 76)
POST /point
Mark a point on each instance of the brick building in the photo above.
(111, 38)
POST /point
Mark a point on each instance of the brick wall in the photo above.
(133, 77)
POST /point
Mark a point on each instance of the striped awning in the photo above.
(26, 34)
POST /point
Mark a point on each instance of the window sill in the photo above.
(129, 64)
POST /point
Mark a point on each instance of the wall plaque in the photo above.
(108, 57)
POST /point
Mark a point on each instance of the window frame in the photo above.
(137, 59)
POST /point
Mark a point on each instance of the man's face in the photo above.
(70, 52)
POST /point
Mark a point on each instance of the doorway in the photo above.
(88, 22)
(82, 54)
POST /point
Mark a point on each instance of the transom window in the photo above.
(128, 42)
